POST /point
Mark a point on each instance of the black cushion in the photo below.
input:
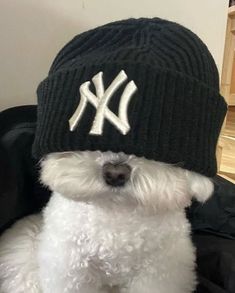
(20, 191)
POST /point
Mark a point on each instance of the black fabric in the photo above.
(216, 263)
(217, 215)
(20, 191)
(21, 194)
(176, 113)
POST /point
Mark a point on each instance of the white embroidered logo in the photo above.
(100, 102)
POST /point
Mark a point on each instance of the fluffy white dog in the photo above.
(115, 223)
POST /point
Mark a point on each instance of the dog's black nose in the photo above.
(116, 174)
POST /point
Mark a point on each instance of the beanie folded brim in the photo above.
(173, 118)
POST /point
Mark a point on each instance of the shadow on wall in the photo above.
(31, 34)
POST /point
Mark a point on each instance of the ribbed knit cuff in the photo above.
(173, 117)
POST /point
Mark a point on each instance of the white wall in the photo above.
(32, 32)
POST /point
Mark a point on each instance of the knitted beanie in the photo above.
(147, 87)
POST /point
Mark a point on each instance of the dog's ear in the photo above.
(200, 187)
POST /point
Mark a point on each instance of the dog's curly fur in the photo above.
(96, 238)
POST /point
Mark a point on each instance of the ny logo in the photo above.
(100, 102)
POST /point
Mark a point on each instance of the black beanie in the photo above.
(147, 87)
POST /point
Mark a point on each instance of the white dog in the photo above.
(115, 223)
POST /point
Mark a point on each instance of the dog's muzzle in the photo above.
(116, 174)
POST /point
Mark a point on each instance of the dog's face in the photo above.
(94, 176)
